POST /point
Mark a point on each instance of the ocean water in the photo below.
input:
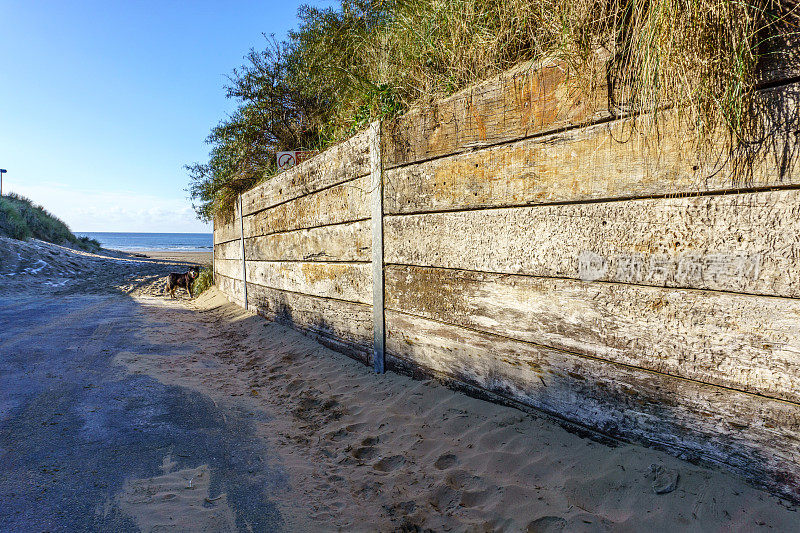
(153, 242)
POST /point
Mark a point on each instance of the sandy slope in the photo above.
(38, 266)
(386, 453)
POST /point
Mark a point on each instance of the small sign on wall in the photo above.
(295, 157)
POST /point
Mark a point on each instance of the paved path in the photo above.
(77, 431)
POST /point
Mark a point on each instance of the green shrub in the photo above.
(21, 219)
(203, 282)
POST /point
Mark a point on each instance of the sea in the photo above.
(153, 242)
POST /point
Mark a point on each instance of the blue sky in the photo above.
(103, 102)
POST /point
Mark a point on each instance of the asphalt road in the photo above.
(74, 426)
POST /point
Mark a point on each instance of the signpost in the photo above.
(287, 160)
(2, 171)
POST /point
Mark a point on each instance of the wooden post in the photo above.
(244, 264)
(376, 184)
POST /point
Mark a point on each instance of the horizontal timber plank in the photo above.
(231, 250)
(226, 231)
(756, 437)
(345, 202)
(343, 281)
(230, 287)
(749, 343)
(612, 160)
(781, 58)
(738, 242)
(529, 99)
(343, 326)
(351, 241)
(340, 163)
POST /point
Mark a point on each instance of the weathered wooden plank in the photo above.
(232, 288)
(340, 242)
(750, 343)
(225, 231)
(346, 202)
(231, 250)
(613, 160)
(781, 59)
(343, 326)
(532, 98)
(344, 281)
(755, 436)
(739, 242)
(340, 163)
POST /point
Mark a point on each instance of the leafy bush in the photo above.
(203, 282)
(367, 59)
(21, 219)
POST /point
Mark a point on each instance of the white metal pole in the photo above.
(244, 265)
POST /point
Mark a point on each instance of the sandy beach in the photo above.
(200, 258)
(228, 422)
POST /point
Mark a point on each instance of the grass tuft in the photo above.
(22, 219)
(203, 282)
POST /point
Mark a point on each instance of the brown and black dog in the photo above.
(184, 280)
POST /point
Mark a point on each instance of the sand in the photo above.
(387, 453)
(200, 258)
(364, 452)
(45, 268)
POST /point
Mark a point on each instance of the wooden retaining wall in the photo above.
(534, 245)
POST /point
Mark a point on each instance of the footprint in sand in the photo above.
(547, 524)
(445, 461)
(388, 464)
(295, 385)
(365, 453)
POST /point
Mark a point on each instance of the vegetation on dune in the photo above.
(367, 59)
(203, 282)
(21, 219)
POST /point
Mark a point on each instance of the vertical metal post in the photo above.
(244, 263)
(376, 184)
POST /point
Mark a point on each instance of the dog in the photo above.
(177, 280)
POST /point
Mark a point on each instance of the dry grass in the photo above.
(701, 56)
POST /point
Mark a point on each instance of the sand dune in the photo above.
(43, 267)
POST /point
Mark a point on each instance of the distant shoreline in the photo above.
(152, 243)
(200, 258)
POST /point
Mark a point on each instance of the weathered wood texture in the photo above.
(750, 343)
(739, 242)
(343, 281)
(527, 100)
(338, 164)
(230, 287)
(343, 326)
(781, 59)
(231, 250)
(757, 437)
(225, 231)
(542, 249)
(341, 242)
(612, 160)
(346, 202)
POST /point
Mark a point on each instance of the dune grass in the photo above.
(22, 219)
(374, 59)
(203, 282)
